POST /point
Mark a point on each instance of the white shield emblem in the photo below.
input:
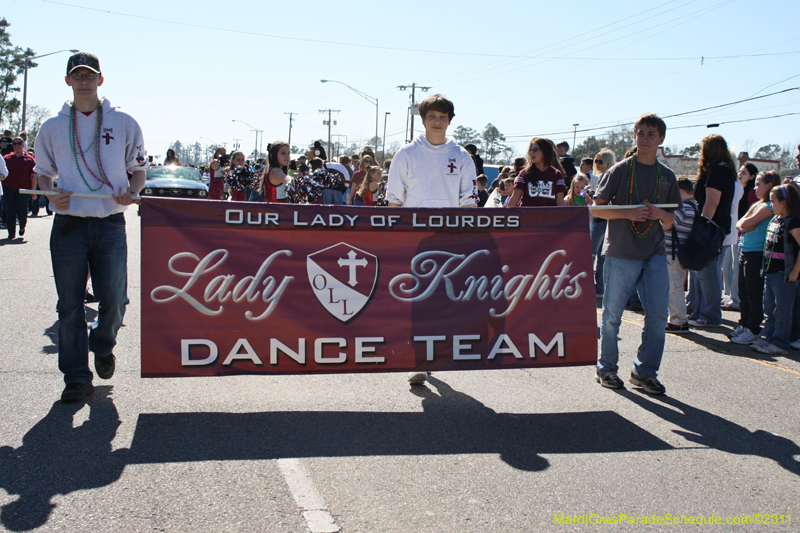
(343, 278)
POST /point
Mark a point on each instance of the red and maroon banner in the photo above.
(254, 288)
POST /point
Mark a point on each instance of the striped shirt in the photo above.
(684, 219)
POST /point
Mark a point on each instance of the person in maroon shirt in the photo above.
(541, 183)
(20, 176)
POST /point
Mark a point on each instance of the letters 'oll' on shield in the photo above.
(343, 279)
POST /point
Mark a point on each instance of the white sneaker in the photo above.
(761, 343)
(771, 349)
(795, 345)
(417, 378)
(746, 337)
(738, 331)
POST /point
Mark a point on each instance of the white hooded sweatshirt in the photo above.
(121, 147)
(424, 175)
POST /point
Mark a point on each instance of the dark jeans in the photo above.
(751, 291)
(779, 308)
(597, 232)
(100, 245)
(16, 208)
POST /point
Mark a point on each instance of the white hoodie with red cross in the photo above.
(121, 150)
(424, 175)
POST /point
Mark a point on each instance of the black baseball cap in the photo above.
(85, 60)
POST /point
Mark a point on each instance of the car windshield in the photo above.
(182, 173)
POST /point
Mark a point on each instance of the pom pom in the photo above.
(380, 194)
(240, 178)
(304, 189)
(224, 160)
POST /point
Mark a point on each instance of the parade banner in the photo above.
(257, 288)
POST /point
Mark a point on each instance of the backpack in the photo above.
(702, 246)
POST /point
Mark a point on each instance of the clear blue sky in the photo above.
(527, 67)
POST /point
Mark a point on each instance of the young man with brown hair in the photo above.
(635, 254)
(90, 147)
(432, 171)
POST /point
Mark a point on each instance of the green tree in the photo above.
(492, 141)
(12, 64)
(463, 135)
(588, 148)
(691, 151)
(618, 140)
(770, 151)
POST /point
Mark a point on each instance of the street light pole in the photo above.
(574, 135)
(368, 98)
(383, 152)
(252, 128)
(25, 82)
(289, 142)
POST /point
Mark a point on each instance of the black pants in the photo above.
(751, 290)
(16, 208)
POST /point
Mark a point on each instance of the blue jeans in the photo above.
(651, 278)
(98, 246)
(779, 300)
(597, 232)
(331, 197)
(707, 289)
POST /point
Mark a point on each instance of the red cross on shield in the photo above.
(343, 279)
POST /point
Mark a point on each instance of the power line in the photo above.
(607, 126)
(733, 121)
(403, 49)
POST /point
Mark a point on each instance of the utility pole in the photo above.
(383, 152)
(289, 142)
(329, 122)
(574, 135)
(413, 88)
(236, 144)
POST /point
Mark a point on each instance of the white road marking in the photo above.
(301, 486)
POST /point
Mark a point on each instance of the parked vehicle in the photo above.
(175, 182)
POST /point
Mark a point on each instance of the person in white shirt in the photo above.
(432, 171)
(89, 147)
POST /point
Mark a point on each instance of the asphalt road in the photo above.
(479, 451)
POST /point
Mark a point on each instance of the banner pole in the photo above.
(77, 194)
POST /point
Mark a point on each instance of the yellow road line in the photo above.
(720, 349)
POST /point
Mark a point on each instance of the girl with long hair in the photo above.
(753, 226)
(541, 183)
(714, 192)
(237, 160)
(216, 184)
(372, 179)
(603, 161)
(578, 194)
(781, 269)
(365, 162)
(272, 182)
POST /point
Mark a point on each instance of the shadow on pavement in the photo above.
(452, 423)
(52, 332)
(713, 431)
(57, 458)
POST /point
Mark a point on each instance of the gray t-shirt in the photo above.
(614, 188)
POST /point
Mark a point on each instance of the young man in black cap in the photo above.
(90, 147)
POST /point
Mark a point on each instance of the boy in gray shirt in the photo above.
(635, 254)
